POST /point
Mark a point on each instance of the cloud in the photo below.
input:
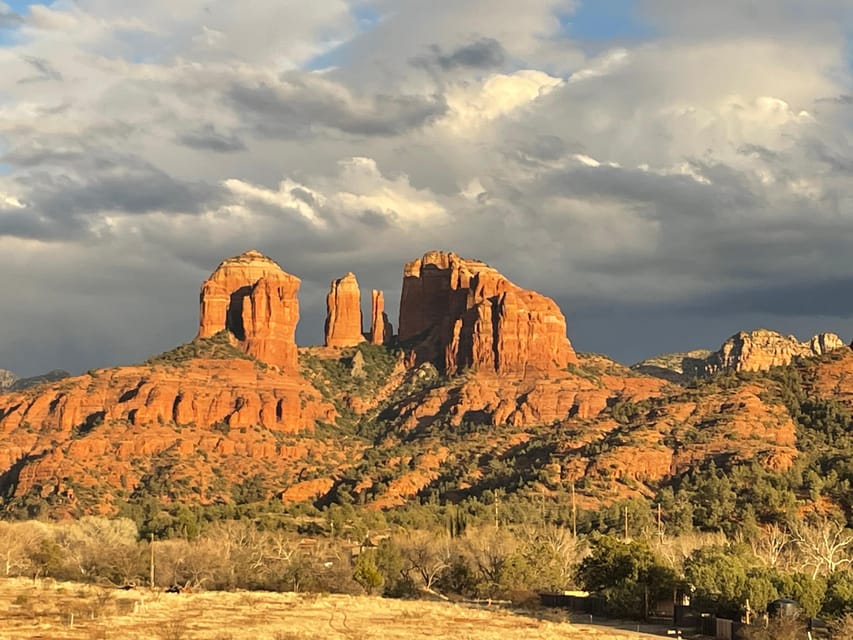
(8, 18)
(484, 53)
(686, 173)
(208, 138)
(45, 70)
(302, 104)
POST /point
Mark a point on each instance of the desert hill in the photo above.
(479, 393)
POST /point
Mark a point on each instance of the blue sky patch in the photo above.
(600, 23)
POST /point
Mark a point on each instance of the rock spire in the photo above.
(381, 330)
(343, 313)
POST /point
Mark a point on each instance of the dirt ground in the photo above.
(62, 611)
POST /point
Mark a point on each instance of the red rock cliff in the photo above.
(343, 313)
(252, 298)
(381, 330)
(466, 314)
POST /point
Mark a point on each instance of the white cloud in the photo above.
(475, 106)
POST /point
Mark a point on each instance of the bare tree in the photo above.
(426, 554)
(772, 546)
(16, 541)
(823, 545)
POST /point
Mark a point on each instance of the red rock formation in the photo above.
(381, 330)
(252, 298)
(104, 428)
(343, 313)
(762, 349)
(469, 315)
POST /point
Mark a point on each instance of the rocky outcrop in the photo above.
(6, 379)
(464, 314)
(53, 375)
(745, 351)
(343, 313)
(675, 367)
(253, 299)
(107, 428)
(381, 330)
(762, 349)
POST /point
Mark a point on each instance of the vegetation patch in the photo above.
(216, 347)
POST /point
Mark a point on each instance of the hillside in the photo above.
(482, 395)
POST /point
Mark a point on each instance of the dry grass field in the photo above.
(60, 611)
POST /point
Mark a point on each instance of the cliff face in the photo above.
(256, 302)
(343, 313)
(762, 349)
(110, 428)
(464, 314)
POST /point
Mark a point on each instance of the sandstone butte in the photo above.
(343, 313)
(257, 303)
(381, 331)
(468, 316)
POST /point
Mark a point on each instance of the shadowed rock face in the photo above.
(464, 314)
(343, 313)
(253, 299)
(381, 331)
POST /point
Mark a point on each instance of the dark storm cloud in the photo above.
(298, 105)
(485, 53)
(62, 206)
(832, 297)
(46, 71)
(207, 138)
(138, 191)
(23, 223)
(662, 196)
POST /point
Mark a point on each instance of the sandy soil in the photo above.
(60, 611)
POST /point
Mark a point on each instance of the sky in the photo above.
(669, 172)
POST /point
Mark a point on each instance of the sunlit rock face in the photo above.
(465, 314)
(253, 299)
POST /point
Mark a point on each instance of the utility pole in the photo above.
(574, 513)
(151, 562)
(497, 519)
